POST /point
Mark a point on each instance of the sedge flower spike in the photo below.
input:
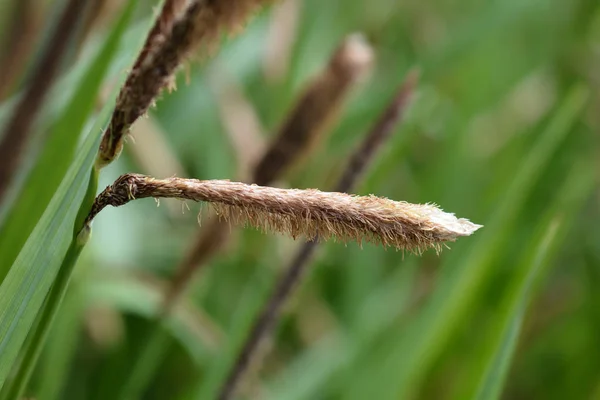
(182, 28)
(308, 212)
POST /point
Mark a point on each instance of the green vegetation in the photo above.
(503, 130)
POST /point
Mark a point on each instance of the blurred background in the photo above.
(502, 129)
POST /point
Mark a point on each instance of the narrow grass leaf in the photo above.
(454, 298)
(452, 301)
(411, 356)
(254, 295)
(58, 150)
(132, 295)
(62, 343)
(15, 388)
(489, 378)
(33, 272)
(37, 266)
(312, 372)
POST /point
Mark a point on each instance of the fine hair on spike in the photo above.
(296, 212)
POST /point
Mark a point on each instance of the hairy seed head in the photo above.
(295, 212)
(174, 37)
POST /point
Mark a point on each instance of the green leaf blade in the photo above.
(30, 277)
(58, 150)
(489, 378)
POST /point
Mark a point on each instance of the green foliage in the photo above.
(500, 132)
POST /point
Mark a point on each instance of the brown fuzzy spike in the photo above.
(159, 34)
(171, 41)
(310, 212)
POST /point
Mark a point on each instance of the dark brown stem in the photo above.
(266, 321)
(379, 134)
(316, 109)
(358, 163)
(17, 130)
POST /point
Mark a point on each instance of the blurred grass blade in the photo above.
(447, 309)
(454, 299)
(153, 352)
(412, 356)
(58, 150)
(308, 375)
(491, 376)
(445, 312)
(255, 294)
(131, 295)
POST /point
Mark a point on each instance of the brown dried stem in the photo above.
(16, 131)
(17, 42)
(250, 354)
(283, 32)
(199, 26)
(316, 109)
(295, 212)
(307, 123)
(240, 120)
(361, 158)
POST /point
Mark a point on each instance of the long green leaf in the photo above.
(306, 376)
(33, 347)
(81, 103)
(58, 150)
(62, 342)
(250, 301)
(33, 272)
(37, 265)
(490, 377)
(411, 357)
(453, 300)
